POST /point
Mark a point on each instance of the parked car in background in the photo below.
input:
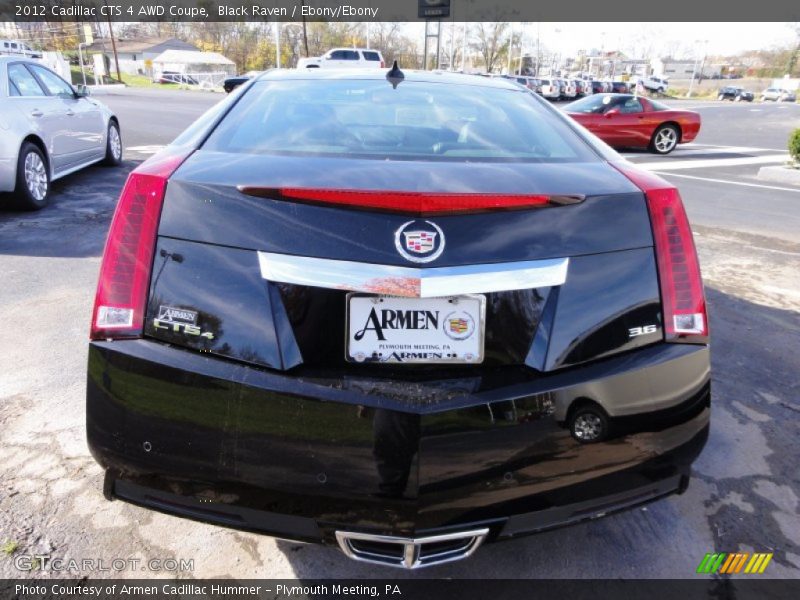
(568, 91)
(48, 130)
(405, 320)
(526, 82)
(598, 87)
(582, 87)
(344, 58)
(18, 48)
(655, 84)
(550, 88)
(735, 94)
(619, 87)
(778, 95)
(624, 120)
(231, 83)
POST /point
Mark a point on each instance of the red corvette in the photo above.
(625, 120)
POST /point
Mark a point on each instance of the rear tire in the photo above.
(589, 425)
(32, 190)
(113, 146)
(664, 139)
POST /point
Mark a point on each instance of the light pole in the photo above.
(277, 44)
(510, 49)
(694, 66)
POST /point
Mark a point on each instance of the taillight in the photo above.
(682, 297)
(119, 304)
(411, 203)
(383, 65)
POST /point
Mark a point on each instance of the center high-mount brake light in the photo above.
(682, 297)
(119, 304)
(411, 203)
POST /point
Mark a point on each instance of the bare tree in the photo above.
(795, 55)
(491, 43)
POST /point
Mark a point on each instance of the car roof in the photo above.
(365, 49)
(378, 74)
(14, 58)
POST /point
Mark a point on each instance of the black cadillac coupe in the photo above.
(404, 313)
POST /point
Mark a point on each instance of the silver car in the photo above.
(778, 95)
(47, 130)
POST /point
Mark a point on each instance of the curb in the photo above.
(780, 174)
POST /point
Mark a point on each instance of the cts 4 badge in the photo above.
(419, 241)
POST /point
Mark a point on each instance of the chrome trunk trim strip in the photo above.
(412, 282)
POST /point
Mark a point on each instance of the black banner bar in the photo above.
(397, 10)
(719, 588)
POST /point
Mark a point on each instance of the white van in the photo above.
(344, 58)
(18, 48)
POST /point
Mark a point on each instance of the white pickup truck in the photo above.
(655, 84)
(344, 58)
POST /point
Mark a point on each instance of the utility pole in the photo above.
(305, 33)
(113, 42)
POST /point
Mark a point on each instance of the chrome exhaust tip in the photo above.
(410, 553)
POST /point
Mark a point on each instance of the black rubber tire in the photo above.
(110, 160)
(22, 198)
(600, 418)
(653, 147)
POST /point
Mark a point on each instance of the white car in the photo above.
(48, 130)
(568, 89)
(344, 58)
(778, 95)
(550, 89)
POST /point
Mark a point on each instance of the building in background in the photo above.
(206, 69)
(136, 55)
(673, 68)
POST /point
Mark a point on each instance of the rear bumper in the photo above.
(304, 459)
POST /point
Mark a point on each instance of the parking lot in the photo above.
(746, 486)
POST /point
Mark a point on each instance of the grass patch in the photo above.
(697, 94)
(9, 547)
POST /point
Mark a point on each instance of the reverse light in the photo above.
(122, 287)
(682, 297)
(412, 203)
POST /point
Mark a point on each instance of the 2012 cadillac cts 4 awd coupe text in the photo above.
(401, 313)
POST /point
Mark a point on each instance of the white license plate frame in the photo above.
(457, 338)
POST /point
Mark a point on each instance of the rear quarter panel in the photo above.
(690, 126)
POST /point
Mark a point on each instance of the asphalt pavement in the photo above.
(745, 487)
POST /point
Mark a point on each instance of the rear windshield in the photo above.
(658, 105)
(415, 120)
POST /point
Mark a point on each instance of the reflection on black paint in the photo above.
(223, 285)
(395, 444)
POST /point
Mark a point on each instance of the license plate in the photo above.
(389, 329)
